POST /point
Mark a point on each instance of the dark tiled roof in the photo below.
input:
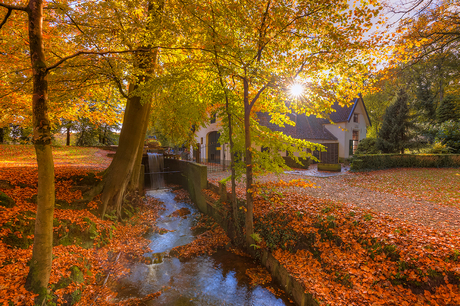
(305, 128)
(342, 114)
(312, 128)
(264, 119)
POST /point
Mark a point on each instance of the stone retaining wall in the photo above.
(194, 178)
(291, 285)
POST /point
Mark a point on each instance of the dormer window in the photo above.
(355, 118)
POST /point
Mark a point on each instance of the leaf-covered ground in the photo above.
(351, 243)
(438, 185)
(86, 248)
(397, 193)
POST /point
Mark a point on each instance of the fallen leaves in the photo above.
(344, 255)
(206, 243)
(18, 175)
(439, 185)
(258, 276)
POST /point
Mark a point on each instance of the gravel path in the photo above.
(421, 212)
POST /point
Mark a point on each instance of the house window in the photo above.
(213, 118)
(264, 149)
(201, 140)
(355, 118)
(355, 141)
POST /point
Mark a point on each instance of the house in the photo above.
(341, 137)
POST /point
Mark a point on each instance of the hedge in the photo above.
(385, 161)
(290, 162)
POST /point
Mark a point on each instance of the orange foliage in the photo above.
(344, 255)
(19, 181)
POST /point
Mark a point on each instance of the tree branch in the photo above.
(263, 32)
(6, 17)
(64, 59)
(14, 7)
(257, 96)
(11, 8)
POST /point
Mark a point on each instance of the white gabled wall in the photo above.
(344, 130)
(203, 133)
(351, 126)
(338, 131)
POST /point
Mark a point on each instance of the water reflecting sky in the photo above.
(219, 279)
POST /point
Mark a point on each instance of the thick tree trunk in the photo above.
(247, 144)
(133, 132)
(121, 168)
(40, 264)
(135, 177)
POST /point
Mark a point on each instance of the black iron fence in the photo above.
(215, 156)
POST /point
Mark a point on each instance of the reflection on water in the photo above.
(219, 279)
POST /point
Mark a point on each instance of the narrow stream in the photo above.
(219, 279)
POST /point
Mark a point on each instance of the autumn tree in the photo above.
(429, 26)
(260, 47)
(40, 73)
(40, 265)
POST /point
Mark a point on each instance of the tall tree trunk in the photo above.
(232, 157)
(1, 135)
(248, 161)
(232, 163)
(67, 141)
(104, 140)
(40, 264)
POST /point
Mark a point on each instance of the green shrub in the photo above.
(386, 161)
(367, 146)
(439, 148)
(448, 133)
(290, 162)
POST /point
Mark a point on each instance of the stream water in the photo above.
(219, 279)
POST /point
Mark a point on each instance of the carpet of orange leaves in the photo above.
(206, 243)
(345, 255)
(18, 173)
(440, 185)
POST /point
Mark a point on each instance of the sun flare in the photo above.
(296, 89)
